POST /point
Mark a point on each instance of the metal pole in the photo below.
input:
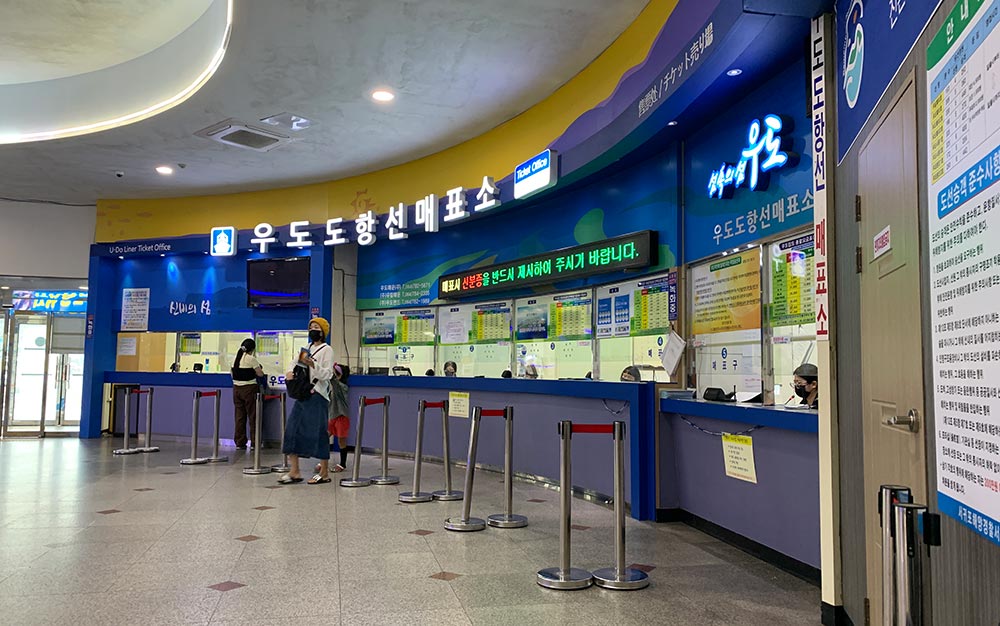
(355, 480)
(283, 466)
(257, 434)
(128, 418)
(565, 576)
(384, 478)
(45, 385)
(619, 576)
(194, 459)
(888, 496)
(467, 522)
(447, 494)
(149, 447)
(216, 458)
(416, 495)
(507, 519)
(911, 551)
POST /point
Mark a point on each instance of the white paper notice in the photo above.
(458, 404)
(672, 353)
(127, 346)
(135, 309)
(737, 450)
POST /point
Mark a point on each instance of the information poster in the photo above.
(135, 309)
(737, 450)
(127, 346)
(190, 343)
(415, 327)
(378, 328)
(637, 308)
(533, 319)
(458, 404)
(726, 294)
(491, 322)
(792, 273)
(964, 216)
(569, 317)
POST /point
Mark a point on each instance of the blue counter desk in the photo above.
(539, 405)
(779, 515)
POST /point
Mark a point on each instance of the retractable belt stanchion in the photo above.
(507, 519)
(416, 495)
(216, 458)
(383, 478)
(446, 494)
(914, 533)
(619, 576)
(355, 480)
(283, 466)
(466, 522)
(128, 419)
(889, 496)
(258, 433)
(194, 458)
(149, 447)
(565, 576)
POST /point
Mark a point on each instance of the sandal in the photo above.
(288, 479)
(318, 480)
(337, 468)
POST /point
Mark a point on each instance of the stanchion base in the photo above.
(564, 580)
(149, 449)
(507, 521)
(194, 461)
(421, 496)
(447, 496)
(122, 451)
(463, 526)
(256, 470)
(218, 459)
(350, 482)
(384, 480)
(628, 580)
(281, 468)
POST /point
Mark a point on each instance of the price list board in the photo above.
(637, 308)
(569, 317)
(491, 323)
(415, 328)
(963, 104)
(792, 271)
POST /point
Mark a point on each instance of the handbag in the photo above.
(300, 387)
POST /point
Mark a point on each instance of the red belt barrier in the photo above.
(603, 429)
(371, 401)
(493, 412)
(273, 397)
(434, 405)
(208, 394)
(138, 391)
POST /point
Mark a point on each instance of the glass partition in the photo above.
(398, 342)
(791, 310)
(555, 336)
(477, 338)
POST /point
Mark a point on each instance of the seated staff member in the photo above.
(450, 368)
(245, 371)
(631, 375)
(806, 381)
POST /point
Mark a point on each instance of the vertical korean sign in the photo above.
(821, 152)
(963, 79)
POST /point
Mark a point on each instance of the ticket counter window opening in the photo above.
(554, 336)
(790, 280)
(398, 342)
(614, 354)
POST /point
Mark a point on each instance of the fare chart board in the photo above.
(963, 61)
(563, 317)
(637, 308)
(487, 322)
(792, 301)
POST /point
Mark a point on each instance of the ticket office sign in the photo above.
(964, 215)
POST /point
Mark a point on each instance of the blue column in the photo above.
(100, 347)
(321, 280)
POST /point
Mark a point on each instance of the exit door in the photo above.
(891, 338)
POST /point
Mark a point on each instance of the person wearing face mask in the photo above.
(631, 375)
(450, 368)
(306, 429)
(806, 382)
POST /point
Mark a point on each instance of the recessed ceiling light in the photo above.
(672, 123)
(162, 254)
(122, 258)
(165, 170)
(734, 72)
(4, 287)
(288, 121)
(381, 95)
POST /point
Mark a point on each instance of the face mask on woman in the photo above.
(315, 336)
(802, 392)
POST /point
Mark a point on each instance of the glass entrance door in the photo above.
(27, 370)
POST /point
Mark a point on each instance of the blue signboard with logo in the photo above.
(748, 174)
(873, 39)
(51, 301)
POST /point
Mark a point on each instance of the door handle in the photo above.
(911, 420)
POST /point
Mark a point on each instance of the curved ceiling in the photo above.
(458, 68)
(51, 39)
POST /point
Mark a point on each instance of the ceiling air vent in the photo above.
(233, 132)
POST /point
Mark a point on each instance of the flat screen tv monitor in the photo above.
(278, 282)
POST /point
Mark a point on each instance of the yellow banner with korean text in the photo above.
(726, 294)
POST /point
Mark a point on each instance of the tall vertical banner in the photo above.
(821, 154)
(963, 93)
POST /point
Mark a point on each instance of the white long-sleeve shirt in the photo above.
(322, 372)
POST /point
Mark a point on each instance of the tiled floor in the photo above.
(88, 538)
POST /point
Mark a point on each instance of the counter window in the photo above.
(554, 336)
(475, 339)
(398, 342)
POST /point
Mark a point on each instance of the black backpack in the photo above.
(300, 387)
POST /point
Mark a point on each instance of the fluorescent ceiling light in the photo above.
(165, 170)
(4, 287)
(382, 95)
